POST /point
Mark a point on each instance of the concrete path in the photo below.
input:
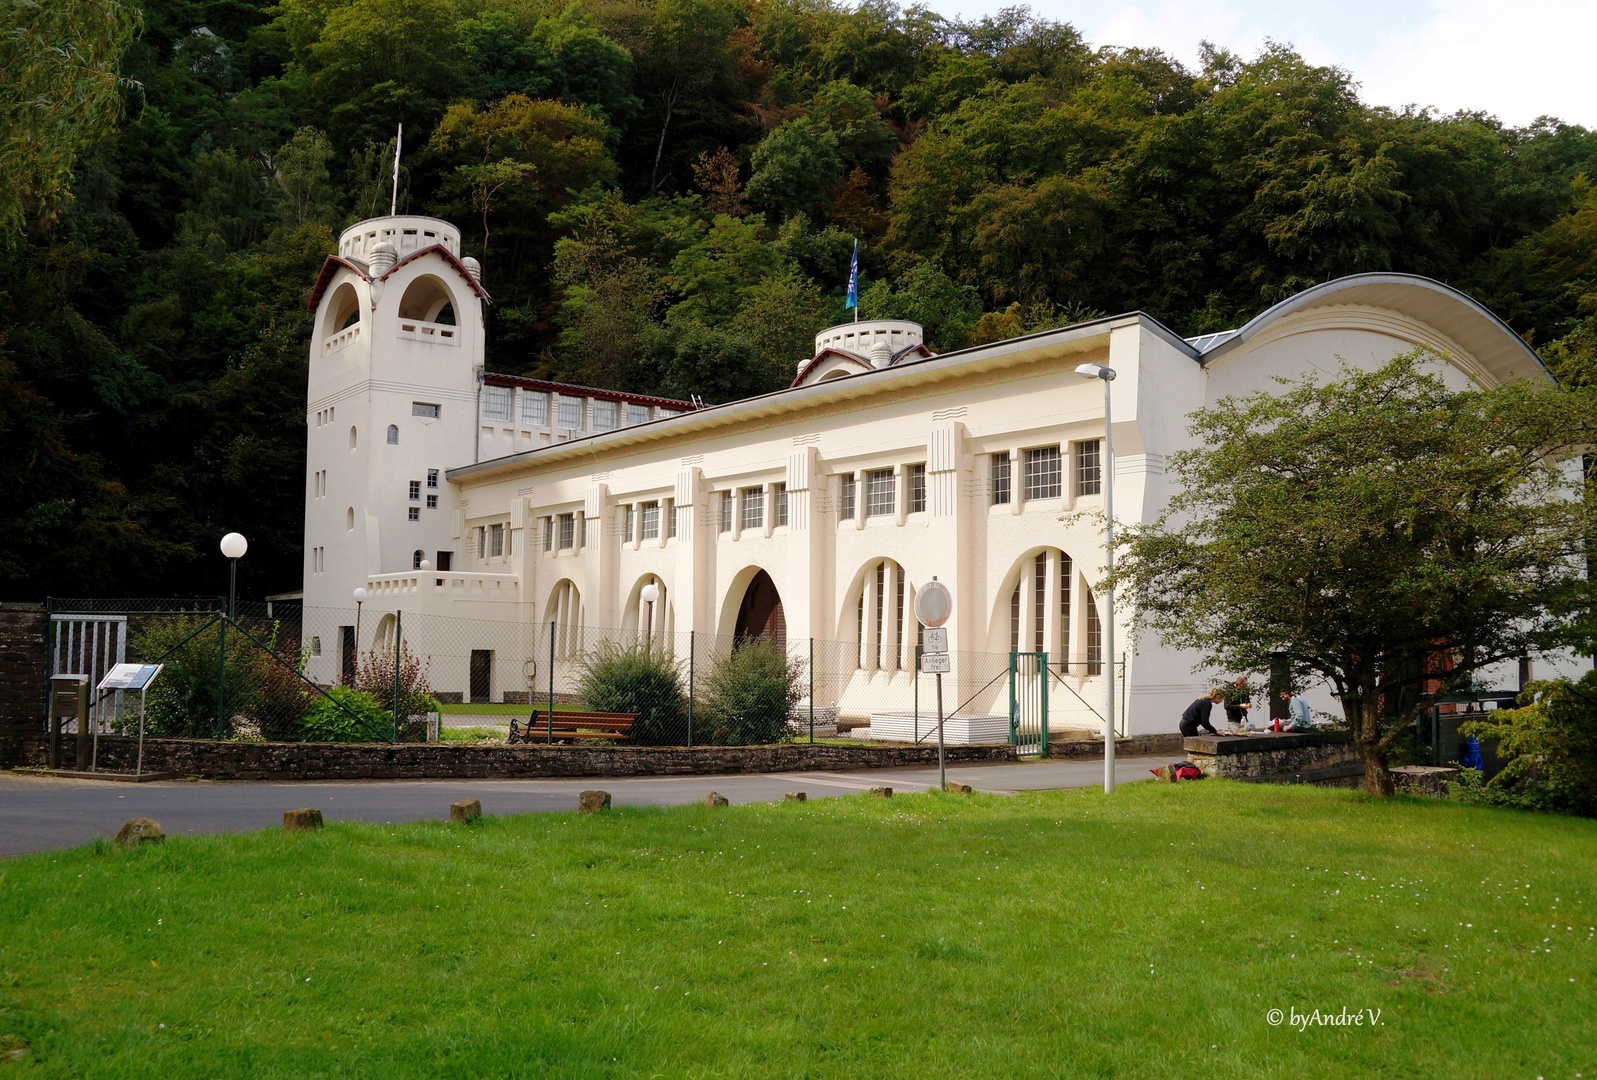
(46, 813)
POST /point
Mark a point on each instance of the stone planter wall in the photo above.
(371, 761)
(1241, 757)
(1135, 746)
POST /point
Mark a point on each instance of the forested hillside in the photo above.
(664, 197)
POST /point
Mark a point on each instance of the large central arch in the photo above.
(760, 614)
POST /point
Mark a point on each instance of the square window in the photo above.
(424, 409)
(415, 513)
(1089, 474)
(415, 490)
(432, 502)
(496, 540)
(781, 505)
(917, 489)
(754, 508)
(604, 416)
(570, 412)
(846, 497)
(1043, 473)
(535, 408)
(445, 560)
(316, 646)
(880, 493)
(637, 414)
(496, 403)
(651, 521)
(726, 512)
(432, 478)
(1000, 475)
(567, 532)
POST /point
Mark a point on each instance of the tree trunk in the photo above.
(1367, 739)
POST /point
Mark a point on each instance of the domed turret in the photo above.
(880, 353)
(473, 267)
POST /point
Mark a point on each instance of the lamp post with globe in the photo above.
(360, 598)
(651, 593)
(233, 546)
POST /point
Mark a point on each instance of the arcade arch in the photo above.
(1047, 606)
(881, 618)
(565, 612)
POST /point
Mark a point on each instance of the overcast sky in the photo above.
(1516, 59)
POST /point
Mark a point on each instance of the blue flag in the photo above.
(853, 280)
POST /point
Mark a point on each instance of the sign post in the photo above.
(129, 677)
(933, 605)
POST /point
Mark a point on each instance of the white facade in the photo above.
(890, 463)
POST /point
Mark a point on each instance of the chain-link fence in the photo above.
(287, 672)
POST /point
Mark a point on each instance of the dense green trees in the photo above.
(664, 197)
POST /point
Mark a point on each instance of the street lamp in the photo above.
(1106, 469)
(360, 598)
(651, 593)
(233, 546)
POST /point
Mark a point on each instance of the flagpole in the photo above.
(399, 145)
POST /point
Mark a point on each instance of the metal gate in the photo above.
(1028, 702)
(87, 645)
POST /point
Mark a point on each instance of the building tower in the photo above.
(396, 363)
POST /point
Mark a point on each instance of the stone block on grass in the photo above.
(305, 819)
(795, 796)
(590, 800)
(715, 798)
(139, 830)
(882, 792)
(956, 788)
(465, 811)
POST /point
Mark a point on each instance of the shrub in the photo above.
(344, 714)
(182, 702)
(1551, 747)
(642, 680)
(750, 694)
(374, 675)
(280, 696)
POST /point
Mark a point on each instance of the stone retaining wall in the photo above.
(1136, 745)
(373, 761)
(1267, 753)
(24, 670)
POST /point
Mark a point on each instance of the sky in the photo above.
(1515, 59)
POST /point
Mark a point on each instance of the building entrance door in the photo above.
(481, 676)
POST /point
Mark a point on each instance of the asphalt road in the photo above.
(47, 813)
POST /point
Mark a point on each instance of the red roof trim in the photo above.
(449, 257)
(573, 390)
(329, 268)
(333, 262)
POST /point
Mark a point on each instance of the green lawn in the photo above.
(504, 710)
(1049, 935)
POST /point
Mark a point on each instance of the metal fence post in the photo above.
(551, 716)
(690, 688)
(398, 638)
(812, 690)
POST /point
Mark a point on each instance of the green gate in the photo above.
(1028, 702)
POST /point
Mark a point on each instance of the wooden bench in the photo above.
(572, 725)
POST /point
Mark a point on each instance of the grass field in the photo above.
(502, 710)
(1055, 934)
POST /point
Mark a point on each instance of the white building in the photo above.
(814, 512)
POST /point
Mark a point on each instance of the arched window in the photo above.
(884, 618)
(415, 559)
(352, 438)
(342, 311)
(349, 519)
(1044, 604)
(565, 612)
(393, 434)
(427, 299)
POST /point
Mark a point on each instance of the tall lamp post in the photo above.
(360, 598)
(1106, 469)
(233, 546)
(651, 593)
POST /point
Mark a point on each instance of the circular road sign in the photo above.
(933, 604)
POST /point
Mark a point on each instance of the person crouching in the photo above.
(1196, 718)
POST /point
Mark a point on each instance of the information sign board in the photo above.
(936, 663)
